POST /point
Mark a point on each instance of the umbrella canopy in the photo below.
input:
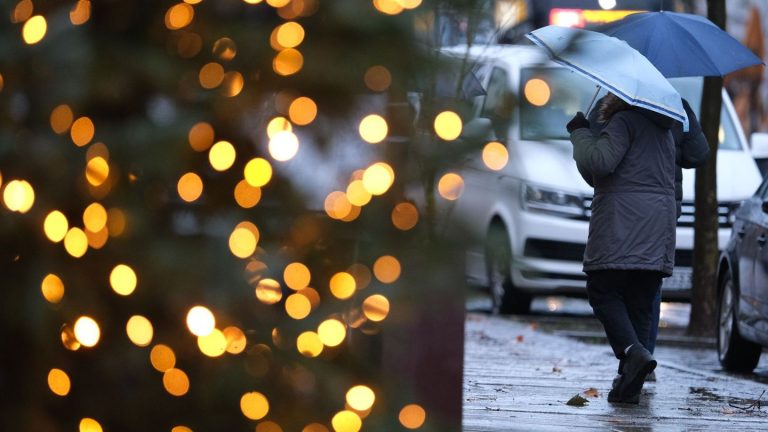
(612, 64)
(681, 44)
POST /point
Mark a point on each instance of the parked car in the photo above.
(742, 277)
(528, 222)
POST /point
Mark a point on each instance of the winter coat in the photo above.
(631, 165)
(691, 148)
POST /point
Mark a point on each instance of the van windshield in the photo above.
(551, 96)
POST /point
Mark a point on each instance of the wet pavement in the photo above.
(520, 371)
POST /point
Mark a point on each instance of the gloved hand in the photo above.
(577, 122)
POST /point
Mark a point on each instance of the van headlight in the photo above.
(559, 203)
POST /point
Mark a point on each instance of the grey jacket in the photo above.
(631, 165)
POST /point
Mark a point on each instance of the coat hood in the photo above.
(659, 120)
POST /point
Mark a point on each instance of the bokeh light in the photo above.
(22, 11)
(297, 276)
(357, 194)
(87, 331)
(52, 288)
(254, 405)
(336, 205)
(346, 421)
(376, 307)
(225, 49)
(412, 416)
(68, 338)
(315, 427)
(309, 344)
(222, 155)
(386, 269)
(34, 29)
(377, 78)
(61, 119)
(181, 429)
(80, 13)
(76, 242)
(537, 92)
(97, 240)
(201, 136)
(312, 295)
(361, 274)
(378, 178)
(232, 83)
(95, 217)
(258, 172)
(88, 424)
(214, 344)
(290, 34)
(405, 216)
(58, 382)
(200, 321)
(242, 242)
(162, 357)
(302, 111)
(448, 125)
(268, 291)
(342, 285)
(116, 222)
(288, 62)
(360, 398)
(450, 186)
(278, 124)
(97, 171)
(388, 7)
(236, 340)
(297, 306)
(211, 75)
(190, 187)
(268, 426)
(247, 196)
(55, 226)
(495, 155)
(82, 131)
(373, 128)
(176, 382)
(139, 330)
(19, 196)
(283, 146)
(179, 16)
(123, 279)
(332, 332)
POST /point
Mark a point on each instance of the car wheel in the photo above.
(734, 352)
(506, 299)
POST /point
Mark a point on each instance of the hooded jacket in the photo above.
(631, 165)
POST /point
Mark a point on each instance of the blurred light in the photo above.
(190, 187)
(22, 11)
(181, 429)
(720, 135)
(97, 150)
(378, 178)
(537, 92)
(607, 4)
(76, 242)
(68, 338)
(448, 125)
(222, 155)
(360, 398)
(254, 405)
(82, 131)
(278, 124)
(242, 242)
(52, 288)
(290, 34)
(302, 111)
(268, 291)
(253, 1)
(409, 4)
(116, 222)
(211, 75)
(19, 196)
(232, 84)
(495, 155)
(278, 3)
(139, 330)
(34, 29)
(376, 307)
(247, 196)
(90, 425)
(225, 49)
(268, 426)
(58, 382)
(309, 344)
(80, 13)
(193, 2)
(179, 16)
(2, 82)
(87, 331)
(55, 226)
(61, 119)
(189, 44)
(405, 216)
(315, 427)
(257, 172)
(356, 193)
(412, 416)
(342, 285)
(361, 274)
(288, 62)
(386, 269)
(176, 382)
(352, 214)
(96, 171)
(236, 340)
(95, 217)
(283, 146)
(162, 358)
(296, 276)
(297, 306)
(201, 136)
(373, 128)
(312, 295)
(346, 421)
(123, 279)
(97, 240)
(214, 344)
(377, 78)
(336, 205)
(332, 332)
(200, 321)
(450, 186)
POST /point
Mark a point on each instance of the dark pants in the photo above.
(623, 301)
(655, 324)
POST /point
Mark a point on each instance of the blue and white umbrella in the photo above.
(614, 65)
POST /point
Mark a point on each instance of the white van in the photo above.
(529, 220)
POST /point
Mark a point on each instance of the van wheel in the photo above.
(734, 352)
(505, 297)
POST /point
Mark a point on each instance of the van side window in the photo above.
(499, 102)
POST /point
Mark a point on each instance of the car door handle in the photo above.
(761, 240)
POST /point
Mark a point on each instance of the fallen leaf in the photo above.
(534, 326)
(577, 400)
(591, 392)
(519, 338)
(556, 369)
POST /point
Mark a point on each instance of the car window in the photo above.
(691, 89)
(550, 98)
(499, 104)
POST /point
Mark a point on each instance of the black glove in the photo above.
(577, 122)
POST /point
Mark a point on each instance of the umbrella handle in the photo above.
(589, 108)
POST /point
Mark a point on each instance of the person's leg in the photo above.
(655, 321)
(605, 290)
(640, 299)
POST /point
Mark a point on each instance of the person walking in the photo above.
(631, 241)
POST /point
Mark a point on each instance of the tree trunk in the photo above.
(705, 247)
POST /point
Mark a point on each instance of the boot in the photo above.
(636, 366)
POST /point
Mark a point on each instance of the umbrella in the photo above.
(681, 44)
(612, 64)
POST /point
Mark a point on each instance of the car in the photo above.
(742, 287)
(527, 222)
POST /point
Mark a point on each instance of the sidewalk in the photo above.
(519, 378)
